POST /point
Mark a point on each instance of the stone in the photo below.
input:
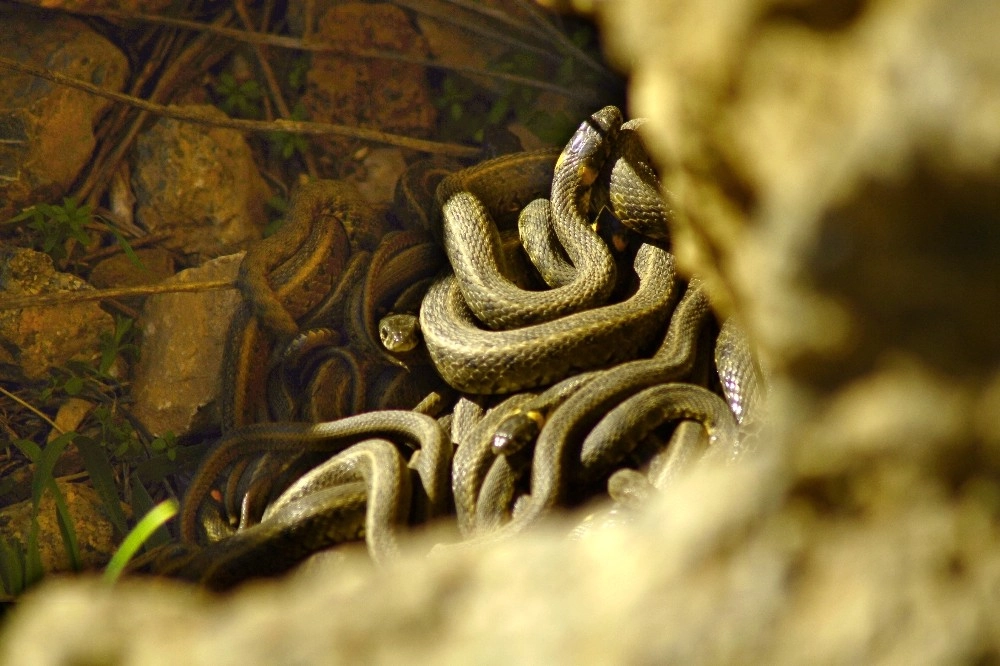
(95, 533)
(200, 184)
(47, 130)
(41, 337)
(177, 379)
(387, 95)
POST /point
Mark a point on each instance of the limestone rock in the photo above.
(183, 335)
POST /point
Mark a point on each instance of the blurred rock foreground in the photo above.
(835, 169)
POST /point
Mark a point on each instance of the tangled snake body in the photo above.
(604, 352)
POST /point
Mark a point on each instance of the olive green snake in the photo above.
(599, 329)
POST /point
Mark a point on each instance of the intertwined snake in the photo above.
(596, 343)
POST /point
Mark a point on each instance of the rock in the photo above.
(379, 172)
(120, 271)
(176, 381)
(200, 184)
(140, 6)
(386, 95)
(46, 336)
(47, 130)
(838, 179)
(95, 533)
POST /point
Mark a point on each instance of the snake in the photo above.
(622, 427)
(417, 429)
(376, 462)
(473, 457)
(283, 277)
(333, 515)
(569, 423)
(576, 348)
(472, 241)
(475, 360)
(556, 340)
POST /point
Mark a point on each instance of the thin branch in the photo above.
(281, 125)
(451, 17)
(31, 408)
(198, 53)
(82, 296)
(310, 45)
(561, 39)
(272, 83)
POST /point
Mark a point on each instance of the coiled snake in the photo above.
(602, 319)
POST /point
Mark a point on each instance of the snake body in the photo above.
(332, 515)
(473, 244)
(417, 429)
(377, 463)
(633, 418)
(475, 360)
(490, 326)
(567, 426)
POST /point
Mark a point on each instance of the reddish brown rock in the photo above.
(46, 336)
(47, 130)
(382, 94)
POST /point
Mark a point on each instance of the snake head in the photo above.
(590, 145)
(517, 431)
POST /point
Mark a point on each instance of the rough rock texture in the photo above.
(155, 264)
(183, 334)
(95, 533)
(146, 6)
(834, 170)
(200, 184)
(46, 130)
(39, 338)
(381, 94)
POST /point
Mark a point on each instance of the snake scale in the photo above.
(574, 345)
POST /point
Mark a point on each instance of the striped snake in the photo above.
(591, 319)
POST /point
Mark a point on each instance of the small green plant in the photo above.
(108, 441)
(55, 226)
(239, 98)
(120, 342)
(26, 570)
(469, 108)
(297, 74)
(287, 143)
(13, 568)
(165, 444)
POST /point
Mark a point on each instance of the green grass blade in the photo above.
(12, 567)
(151, 522)
(32, 556)
(66, 527)
(142, 503)
(95, 460)
(45, 460)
